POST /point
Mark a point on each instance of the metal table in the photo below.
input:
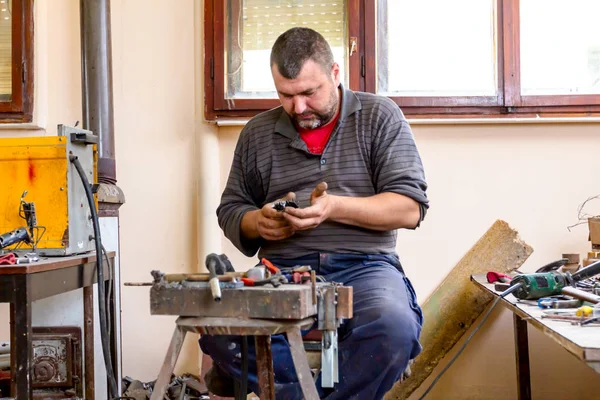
(583, 343)
(22, 284)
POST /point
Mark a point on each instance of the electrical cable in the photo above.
(503, 294)
(112, 383)
(108, 300)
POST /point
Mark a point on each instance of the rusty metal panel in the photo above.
(57, 360)
(288, 302)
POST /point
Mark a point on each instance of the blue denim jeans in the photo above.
(375, 346)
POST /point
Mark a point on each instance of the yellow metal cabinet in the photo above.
(41, 167)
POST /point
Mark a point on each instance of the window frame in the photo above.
(20, 108)
(216, 106)
(410, 103)
(513, 66)
(362, 73)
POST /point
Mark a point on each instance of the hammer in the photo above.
(217, 265)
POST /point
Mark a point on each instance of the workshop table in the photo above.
(255, 311)
(581, 341)
(21, 284)
(261, 330)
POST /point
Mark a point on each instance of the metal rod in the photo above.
(96, 73)
(580, 294)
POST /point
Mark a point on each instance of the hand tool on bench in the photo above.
(8, 259)
(537, 285)
(580, 294)
(217, 265)
(270, 267)
(275, 280)
(493, 276)
(13, 237)
(559, 302)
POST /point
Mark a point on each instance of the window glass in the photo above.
(560, 47)
(5, 50)
(252, 26)
(437, 48)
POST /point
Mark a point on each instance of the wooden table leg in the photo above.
(264, 366)
(21, 351)
(88, 342)
(164, 377)
(522, 358)
(301, 364)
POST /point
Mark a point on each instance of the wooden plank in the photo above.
(456, 303)
(594, 227)
(88, 341)
(264, 365)
(238, 326)
(284, 302)
(305, 378)
(52, 263)
(166, 371)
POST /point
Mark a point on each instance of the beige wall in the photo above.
(172, 167)
(155, 114)
(154, 68)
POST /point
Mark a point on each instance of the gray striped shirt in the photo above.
(371, 150)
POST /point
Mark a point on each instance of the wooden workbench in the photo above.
(22, 284)
(257, 312)
(581, 341)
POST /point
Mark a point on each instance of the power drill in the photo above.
(538, 285)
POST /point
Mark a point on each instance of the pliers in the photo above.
(276, 279)
(270, 267)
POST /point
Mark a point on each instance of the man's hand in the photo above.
(381, 212)
(321, 205)
(267, 223)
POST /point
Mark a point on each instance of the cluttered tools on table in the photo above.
(264, 291)
(565, 295)
(222, 275)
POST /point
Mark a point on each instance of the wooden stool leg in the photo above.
(164, 377)
(301, 364)
(264, 366)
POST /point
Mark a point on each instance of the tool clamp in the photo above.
(328, 322)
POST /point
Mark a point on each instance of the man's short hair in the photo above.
(297, 45)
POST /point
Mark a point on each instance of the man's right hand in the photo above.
(267, 223)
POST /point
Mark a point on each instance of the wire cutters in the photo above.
(270, 267)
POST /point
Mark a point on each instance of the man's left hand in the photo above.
(320, 208)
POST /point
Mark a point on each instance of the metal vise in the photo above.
(334, 305)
